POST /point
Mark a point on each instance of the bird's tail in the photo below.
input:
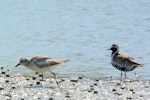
(142, 65)
(66, 60)
(137, 64)
(63, 61)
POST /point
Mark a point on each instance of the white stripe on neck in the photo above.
(115, 53)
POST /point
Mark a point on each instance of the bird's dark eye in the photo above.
(21, 61)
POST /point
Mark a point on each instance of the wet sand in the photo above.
(19, 87)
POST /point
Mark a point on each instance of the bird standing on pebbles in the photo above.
(41, 64)
(121, 61)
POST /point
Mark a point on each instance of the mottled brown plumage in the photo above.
(121, 61)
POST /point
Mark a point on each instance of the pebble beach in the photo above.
(21, 87)
(81, 31)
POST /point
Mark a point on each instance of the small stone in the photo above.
(131, 89)
(97, 80)
(40, 75)
(133, 92)
(51, 99)
(7, 81)
(114, 90)
(130, 81)
(2, 67)
(74, 81)
(118, 84)
(80, 77)
(89, 91)
(122, 88)
(8, 70)
(9, 95)
(1, 88)
(33, 78)
(141, 95)
(129, 98)
(41, 80)
(62, 80)
(91, 86)
(13, 83)
(3, 72)
(7, 75)
(95, 92)
(146, 87)
(67, 96)
(22, 99)
(13, 87)
(38, 83)
(67, 93)
(95, 84)
(27, 79)
(118, 93)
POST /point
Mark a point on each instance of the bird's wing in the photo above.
(124, 55)
(43, 61)
(125, 61)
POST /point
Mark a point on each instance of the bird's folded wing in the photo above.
(125, 56)
(44, 61)
(126, 61)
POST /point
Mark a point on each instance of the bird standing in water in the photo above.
(121, 61)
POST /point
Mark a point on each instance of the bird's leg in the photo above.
(121, 75)
(55, 78)
(136, 77)
(42, 77)
(125, 75)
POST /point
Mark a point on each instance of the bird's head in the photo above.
(114, 48)
(23, 62)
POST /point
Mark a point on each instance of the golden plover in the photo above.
(121, 61)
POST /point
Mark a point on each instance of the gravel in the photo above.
(19, 87)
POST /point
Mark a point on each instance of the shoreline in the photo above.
(27, 88)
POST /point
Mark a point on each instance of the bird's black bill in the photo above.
(17, 65)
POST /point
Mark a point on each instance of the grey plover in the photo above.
(41, 64)
(121, 61)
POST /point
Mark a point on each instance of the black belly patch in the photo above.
(123, 68)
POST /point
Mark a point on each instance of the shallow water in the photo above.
(79, 30)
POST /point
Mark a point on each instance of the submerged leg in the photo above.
(55, 77)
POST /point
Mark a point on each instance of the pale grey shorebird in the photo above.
(121, 61)
(41, 64)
